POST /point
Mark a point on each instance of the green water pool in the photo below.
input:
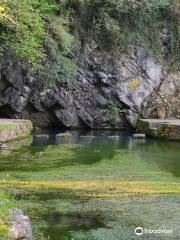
(94, 185)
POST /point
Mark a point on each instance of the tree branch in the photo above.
(8, 18)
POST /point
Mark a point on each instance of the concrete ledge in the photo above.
(11, 129)
(167, 129)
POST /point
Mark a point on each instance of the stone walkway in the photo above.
(175, 122)
(160, 128)
(11, 129)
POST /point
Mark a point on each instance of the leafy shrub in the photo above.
(35, 29)
(116, 24)
(113, 112)
(60, 71)
(59, 68)
(61, 32)
(24, 27)
(28, 25)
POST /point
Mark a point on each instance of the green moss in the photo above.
(143, 127)
(169, 132)
(7, 126)
(162, 131)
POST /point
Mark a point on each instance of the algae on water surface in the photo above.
(112, 185)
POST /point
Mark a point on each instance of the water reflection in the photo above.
(165, 154)
(88, 148)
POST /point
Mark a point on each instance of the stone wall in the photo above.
(13, 129)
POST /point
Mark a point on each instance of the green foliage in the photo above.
(60, 45)
(113, 112)
(116, 24)
(175, 42)
(60, 30)
(26, 31)
(33, 28)
(28, 27)
(36, 29)
(61, 70)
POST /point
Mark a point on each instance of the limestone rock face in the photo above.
(176, 7)
(107, 92)
(165, 101)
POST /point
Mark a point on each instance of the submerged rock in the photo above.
(139, 136)
(3, 145)
(64, 135)
(41, 136)
(113, 137)
(88, 136)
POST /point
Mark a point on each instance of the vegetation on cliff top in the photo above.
(35, 29)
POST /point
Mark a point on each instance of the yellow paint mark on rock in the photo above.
(134, 84)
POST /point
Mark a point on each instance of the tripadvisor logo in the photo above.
(139, 231)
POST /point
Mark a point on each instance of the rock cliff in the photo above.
(106, 93)
(96, 64)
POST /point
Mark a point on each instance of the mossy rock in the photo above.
(163, 130)
(143, 127)
(170, 132)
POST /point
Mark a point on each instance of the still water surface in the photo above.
(97, 185)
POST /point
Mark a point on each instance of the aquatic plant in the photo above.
(5, 214)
